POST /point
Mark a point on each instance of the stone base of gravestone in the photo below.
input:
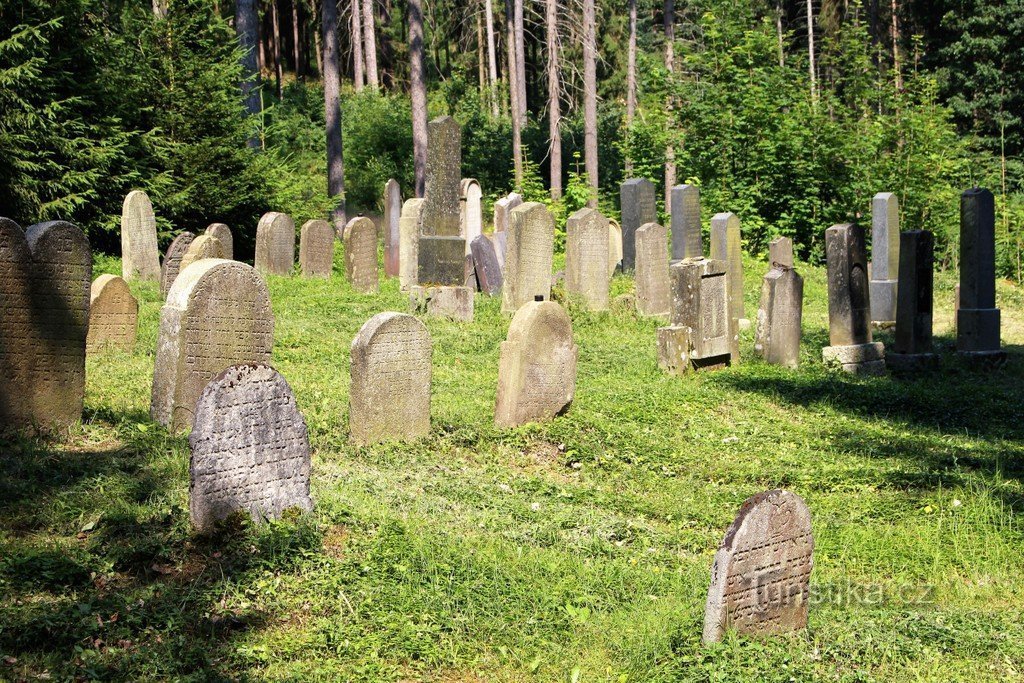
(857, 359)
(977, 330)
(453, 303)
(911, 363)
(677, 354)
(883, 302)
(983, 360)
(442, 260)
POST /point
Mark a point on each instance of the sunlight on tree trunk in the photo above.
(246, 22)
(356, 38)
(670, 148)
(520, 40)
(590, 97)
(492, 60)
(554, 106)
(631, 82)
(370, 55)
(275, 20)
(418, 85)
(332, 112)
(513, 92)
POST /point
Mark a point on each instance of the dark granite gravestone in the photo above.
(485, 262)
(849, 318)
(912, 348)
(638, 208)
(977, 321)
(686, 228)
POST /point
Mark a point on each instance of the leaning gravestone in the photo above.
(653, 297)
(725, 246)
(503, 208)
(249, 448)
(113, 315)
(316, 249)
(392, 213)
(471, 208)
(537, 369)
(140, 256)
(389, 396)
(409, 237)
(686, 229)
(636, 198)
(223, 235)
(912, 348)
(275, 244)
(885, 257)
(586, 258)
(849, 319)
(780, 252)
(204, 246)
(760, 579)
(217, 315)
(614, 246)
(485, 263)
(531, 243)
(977, 318)
(702, 335)
(18, 339)
(172, 260)
(777, 333)
(361, 255)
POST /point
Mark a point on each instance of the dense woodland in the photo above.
(790, 114)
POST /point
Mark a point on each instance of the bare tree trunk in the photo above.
(357, 46)
(631, 80)
(810, 51)
(247, 26)
(296, 39)
(590, 97)
(332, 111)
(418, 85)
(370, 33)
(513, 92)
(317, 47)
(261, 39)
(554, 104)
(778, 31)
(278, 67)
(492, 60)
(670, 148)
(896, 47)
(520, 61)
(481, 69)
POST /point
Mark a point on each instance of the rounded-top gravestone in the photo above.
(140, 255)
(204, 246)
(361, 255)
(316, 249)
(171, 266)
(113, 315)
(223, 233)
(275, 244)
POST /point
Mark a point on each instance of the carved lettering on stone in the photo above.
(275, 244)
(223, 235)
(316, 249)
(586, 258)
(171, 266)
(531, 241)
(113, 315)
(140, 255)
(361, 255)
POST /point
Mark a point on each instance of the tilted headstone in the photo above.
(849, 318)
(409, 237)
(471, 207)
(485, 262)
(442, 249)
(389, 396)
(249, 448)
(223, 235)
(537, 368)
(912, 348)
(702, 335)
(531, 243)
(217, 315)
(780, 252)
(361, 255)
(204, 246)
(777, 333)
(636, 199)
(316, 249)
(392, 239)
(586, 258)
(686, 228)
(140, 255)
(503, 208)
(113, 315)
(977, 320)
(760, 579)
(18, 338)
(885, 257)
(726, 246)
(652, 278)
(172, 260)
(275, 244)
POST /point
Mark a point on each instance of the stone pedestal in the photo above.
(910, 363)
(883, 303)
(454, 303)
(857, 359)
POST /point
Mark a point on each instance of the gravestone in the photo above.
(204, 246)
(531, 243)
(777, 334)
(977, 319)
(760, 578)
(471, 211)
(316, 249)
(586, 258)
(140, 255)
(701, 335)
(217, 315)
(451, 303)
(503, 208)
(171, 265)
(409, 237)
(686, 229)
(389, 397)
(780, 252)
(275, 244)
(614, 246)
(18, 337)
(500, 242)
(485, 262)
(725, 246)
(392, 239)
(361, 255)
(223, 235)
(442, 249)
(636, 199)
(849, 319)
(249, 448)
(537, 368)
(113, 315)
(885, 257)
(652, 277)
(912, 348)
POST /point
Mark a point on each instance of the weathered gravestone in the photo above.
(702, 334)
(777, 333)
(652, 278)
(977, 320)
(537, 369)
(912, 348)
(760, 579)
(471, 210)
(849, 320)
(686, 228)
(172, 260)
(586, 258)
(361, 255)
(636, 199)
(503, 209)
(442, 249)
(223, 235)
(614, 246)
(780, 252)
(316, 249)
(249, 448)
(885, 257)
(140, 255)
(392, 238)
(18, 342)
(389, 396)
(531, 243)
(500, 242)
(275, 244)
(204, 246)
(113, 315)
(409, 237)
(485, 263)
(217, 315)
(725, 246)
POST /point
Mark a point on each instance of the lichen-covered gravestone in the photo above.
(389, 396)
(223, 235)
(885, 257)
(652, 286)
(485, 263)
(217, 315)
(171, 266)
(777, 333)
(537, 368)
(275, 244)
(531, 243)
(392, 238)
(686, 228)
(725, 246)
(316, 249)
(204, 246)
(113, 315)
(409, 238)
(702, 335)
(140, 255)
(849, 307)
(361, 255)
(586, 258)
(442, 249)
(471, 204)
(249, 448)
(760, 579)
(636, 197)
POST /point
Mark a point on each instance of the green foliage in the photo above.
(378, 146)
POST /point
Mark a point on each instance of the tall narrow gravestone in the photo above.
(885, 257)
(361, 255)
(140, 256)
(275, 244)
(780, 252)
(702, 334)
(636, 199)
(977, 320)
(204, 246)
(614, 246)
(392, 239)
(777, 333)
(912, 348)
(652, 286)
(389, 396)
(531, 243)
(113, 315)
(471, 210)
(485, 262)
(409, 238)
(537, 369)
(586, 258)
(761, 576)
(222, 233)
(849, 320)
(18, 342)
(686, 229)
(172, 260)
(249, 448)
(726, 246)
(217, 315)
(316, 249)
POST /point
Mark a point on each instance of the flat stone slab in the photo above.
(910, 363)
(857, 359)
(453, 303)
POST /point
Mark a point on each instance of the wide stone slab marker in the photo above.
(389, 396)
(249, 448)
(485, 262)
(652, 277)
(760, 579)
(537, 368)
(702, 335)
(172, 260)
(275, 244)
(777, 333)
(586, 258)
(726, 246)
(361, 255)
(686, 227)
(885, 257)
(409, 236)
(912, 348)
(316, 249)
(140, 255)
(204, 246)
(636, 199)
(977, 320)
(849, 306)
(113, 315)
(217, 315)
(392, 239)
(223, 235)
(531, 243)
(471, 210)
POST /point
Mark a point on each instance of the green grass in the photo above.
(578, 549)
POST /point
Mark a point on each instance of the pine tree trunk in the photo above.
(670, 63)
(896, 47)
(418, 86)
(554, 104)
(247, 27)
(356, 38)
(631, 81)
(481, 69)
(492, 60)
(370, 33)
(778, 32)
(520, 61)
(278, 67)
(296, 39)
(513, 92)
(590, 97)
(332, 111)
(810, 51)
(317, 47)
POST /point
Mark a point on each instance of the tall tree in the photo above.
(631, 80)
(418, 86)
(275, 20)
(370, 41)
(896, 47)
(246, 23)
(590, 98)
(296, 39)
(810, 51)
(520, 39)
(513, 92)
(356, 36)
(670, 147)
(492, 60)
(554, 105)
(332, 111)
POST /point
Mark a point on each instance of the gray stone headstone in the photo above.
(702, 335)
(441, 253)
(977, 321)
(500, 242)
(361, 255)
(502, 208)
(471, 202)
(885, 257)
(223, 235)
(586, 258)
(849, 306)
(409, 239)
(392, 238)
(777, 336)
(726, 246)
(686, 226)
(204, 246)
(912, 348)
(140, 255)
(316, 248)
(172, 260)
(636, 199)
(485, 261)
(653, 297)
(780, 252)
(528, 259)
(113, 315)
(275, 244)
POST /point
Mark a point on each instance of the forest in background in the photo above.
(792, 116)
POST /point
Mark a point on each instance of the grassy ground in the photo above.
(577, 550)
